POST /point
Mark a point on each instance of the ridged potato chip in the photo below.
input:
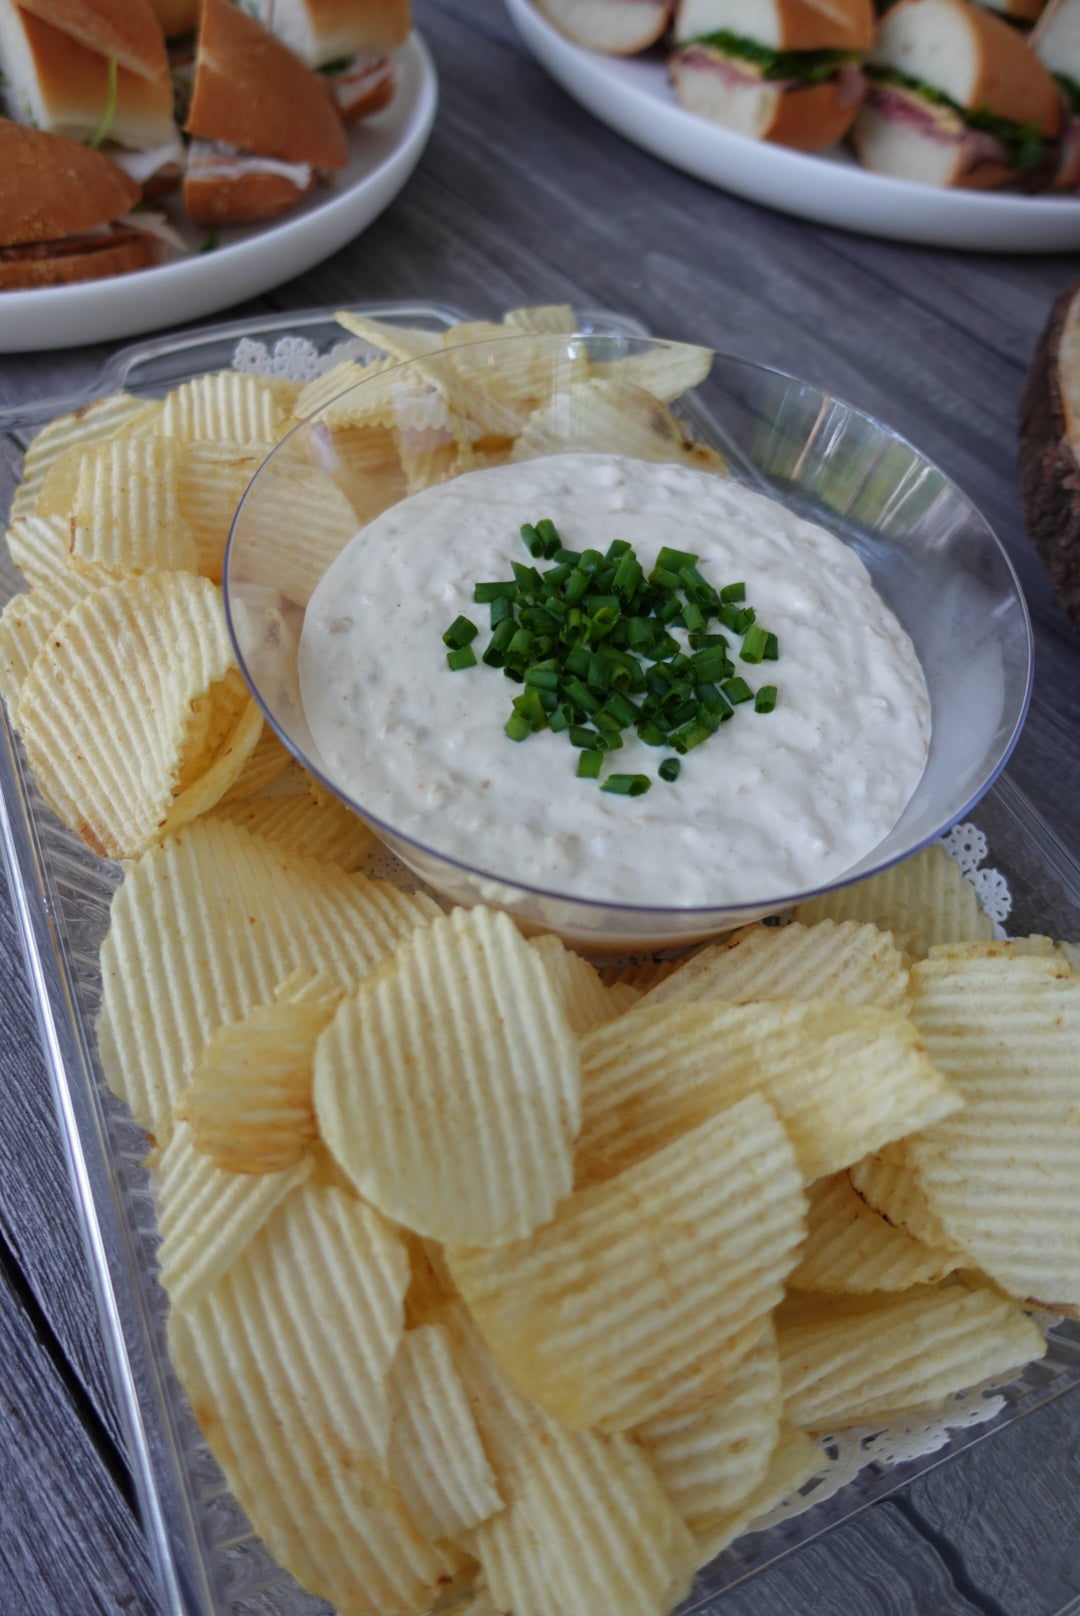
(223, 408)
(585, 998)
(27, 622)
(642, 975)
(93, 424)
(794, 1460)
(127, 509)
(435, 1454)
(850, 1247)
(925, 898)
(844, 1080)
(463, 1124)
(886, 1183)
(845, 963)
(211, 481)
(326, 830)
(851, 1361)
(666, 373)
(605, 416)
(59, 487)
(398, 342)
(265, 763)
(286, 1362)
(207, 1216)
(302, 521)
(249, 1103)
(203, 929)
(39, 547)
(711, 1454)
(552, 317)
(1006, 1183)
(134, 715)
(597, 1313)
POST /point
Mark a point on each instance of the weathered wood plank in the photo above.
(68, 1541)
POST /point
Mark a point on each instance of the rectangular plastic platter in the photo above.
(207, 1560)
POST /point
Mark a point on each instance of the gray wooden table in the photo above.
(521, 197)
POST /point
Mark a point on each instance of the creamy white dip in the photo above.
(771, 804)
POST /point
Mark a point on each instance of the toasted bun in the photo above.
(63, 86)
(619, 27)
(177, 16)
(251, 91)
(321, 31)
(241, 199)
(973, 57)
(907, 153)
(810, 118)
(1056, 40)
(78, 259)
(126, 29)
(55, 187)
(781, 24)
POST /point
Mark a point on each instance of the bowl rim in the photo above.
(706, 914)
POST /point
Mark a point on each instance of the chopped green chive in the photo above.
(753, 646)
(461, 632)
(627, 785)
(591, 643)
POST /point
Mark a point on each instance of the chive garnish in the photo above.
(627, 785)
(597, 649)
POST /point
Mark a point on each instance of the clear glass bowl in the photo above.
(931, 556)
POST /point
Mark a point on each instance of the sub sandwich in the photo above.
(347, 43)
(65, 213)
(619, 27)
(263, 127)
(96, 71)
(957, 98)
(781, 70)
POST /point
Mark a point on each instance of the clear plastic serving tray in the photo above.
(207, 1559)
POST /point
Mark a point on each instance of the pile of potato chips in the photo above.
(491, 1275)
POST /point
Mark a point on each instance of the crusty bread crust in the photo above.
(55, 187)
(240, 199)
(1008, 78)
(126, 29)
(85, 261)
(252, 92)
(74, 84)
(371, 101)
(782, 24)
(906, 153)
(361, 25)
(177, 16)
(810, 118)
(617, 27)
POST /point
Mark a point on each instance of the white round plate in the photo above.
(632, 95)
(248, 259)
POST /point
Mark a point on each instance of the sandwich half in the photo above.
(619, 27)
(263, 126)
(62, 213)
(781, 70)
(96, 71)
(957, 98)
(348, 43)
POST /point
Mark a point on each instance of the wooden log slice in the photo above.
(1049, 446)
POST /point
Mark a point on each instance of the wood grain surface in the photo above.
(522, 197)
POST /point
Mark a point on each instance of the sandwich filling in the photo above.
(357, 79)
(737, 58)
(217, 160)
(987, 138)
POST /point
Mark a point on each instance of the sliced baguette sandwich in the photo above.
(1056, 42)
(263, 126)
(62, 213)
(348, 43)
(957, 98)
(618, 27)
(97, 72)
(781, 70)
